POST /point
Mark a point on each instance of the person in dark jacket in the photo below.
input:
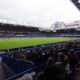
(73, 62)
(54, 71)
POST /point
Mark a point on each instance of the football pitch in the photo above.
(10, 43)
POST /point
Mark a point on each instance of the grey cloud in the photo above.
(38, 12)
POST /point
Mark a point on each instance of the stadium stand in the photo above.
(10, 31)
(60, 55)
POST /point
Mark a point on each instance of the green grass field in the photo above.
(23, 42)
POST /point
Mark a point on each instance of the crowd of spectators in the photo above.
(60, 61)
(35, 34)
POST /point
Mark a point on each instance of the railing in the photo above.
(17, 66)
(20, 74)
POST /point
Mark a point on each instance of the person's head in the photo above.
(71, 51)
(61, 56)
(50, 61)
(27, 76)
(34, 76)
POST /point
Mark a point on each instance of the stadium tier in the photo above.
(10, 30)
(34, 59)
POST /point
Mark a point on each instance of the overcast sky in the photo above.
(38, 12)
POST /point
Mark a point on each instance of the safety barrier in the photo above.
(20, 74)
(17, 66)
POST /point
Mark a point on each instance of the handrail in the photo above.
(16, 65)
(19, 75)
(26, 61)
(23, 60)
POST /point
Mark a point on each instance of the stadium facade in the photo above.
(62, 25)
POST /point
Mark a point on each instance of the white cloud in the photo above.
(39, 12)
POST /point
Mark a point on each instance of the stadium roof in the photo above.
(77, 3)
(40, 13)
